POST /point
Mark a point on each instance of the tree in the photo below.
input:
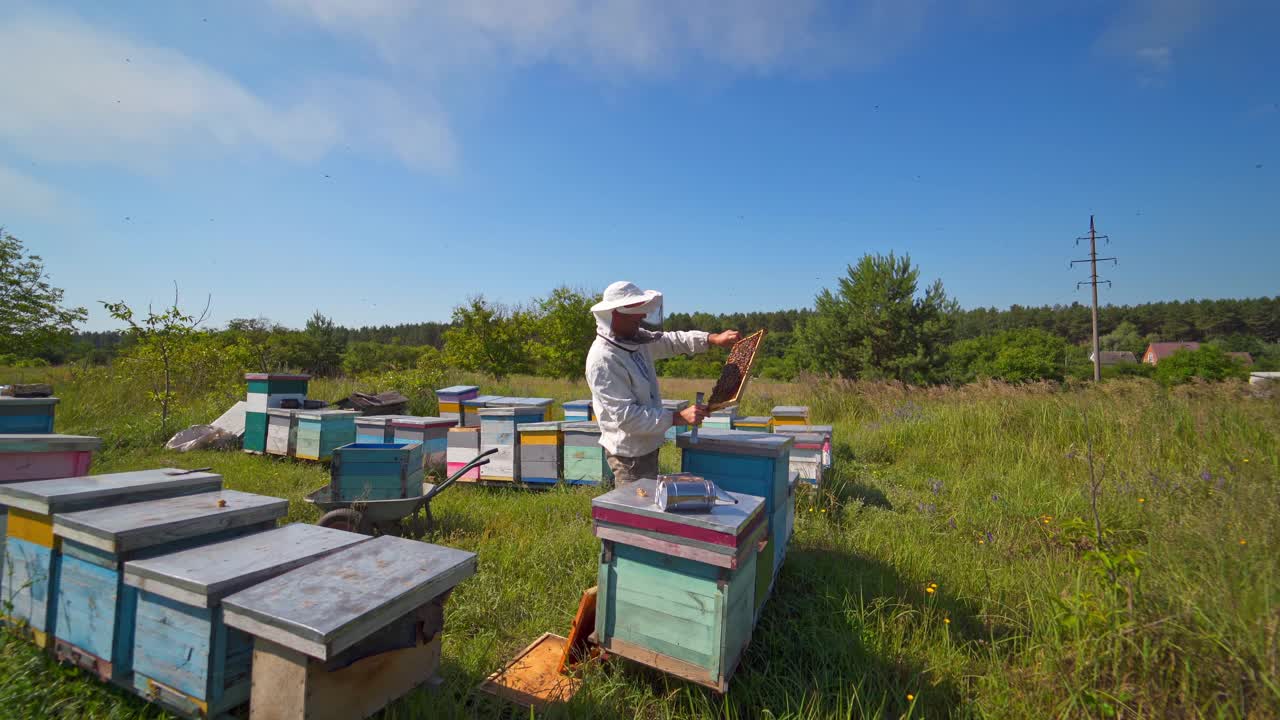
(258, 336)
(876, 326)
(366, 357)
(565, 329)
(1208, 362)
(1013, 356)
(318, 348)
(488, 338)
(32, 318)
(161, 339)
(1124, 337)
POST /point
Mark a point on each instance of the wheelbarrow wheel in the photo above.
(346, 519)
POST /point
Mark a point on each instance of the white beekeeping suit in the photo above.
(620, 372)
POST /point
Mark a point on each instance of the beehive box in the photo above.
(431, 432)
(540, 450)
(807, 456)
(26, 416)
(266, 391)
(96, 612)
(675, 406)
(33, 555)
(584, 458)
(578, 411)
(349, 633)
(282, 432)
(721, 419)
(376, 471)
(527, 405)
(376, 428)
(450, 400)
(824, 430)
(27, 457)
(185, 658)
(754, 423)
(320, 431)
(498, 431)
(464, 446)
(752, 463)
(791, 415)
(471, 409)
(676, 591)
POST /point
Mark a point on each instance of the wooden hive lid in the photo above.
(481, 400)
(202, 576)
(333, 603)
(378, 420)
(547, 426)
(729, 520)
(675, 404)
(791, 410)
(465, 429)
(581, 426)
(739, 442)
(458, 389)
(726, 411)
(275, 376)
(796, 429)
(577, 404)
(322, 414)
(755, 420)
(422, 421)
(523, 402)
(48, 442)
(32, 401)
(45, 497)
(127, 528)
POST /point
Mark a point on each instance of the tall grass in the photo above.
(949, 568)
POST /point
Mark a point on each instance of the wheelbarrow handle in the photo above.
(477, 461)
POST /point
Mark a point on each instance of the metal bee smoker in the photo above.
(688, 492)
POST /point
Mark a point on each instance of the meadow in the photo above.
(952, 565)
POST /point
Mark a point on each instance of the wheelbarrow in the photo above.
(402, 517)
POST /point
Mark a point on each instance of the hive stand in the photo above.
(185, 658)
(33, 556)
(344, 636)
(96, 611)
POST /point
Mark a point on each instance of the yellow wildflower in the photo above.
(929, 590)
(1242, 541)
(946, 620)
(911, 698)
(1142, 500)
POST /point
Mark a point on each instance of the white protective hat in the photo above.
(623, 293)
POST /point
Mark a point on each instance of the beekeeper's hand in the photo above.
(724, 339)
(692, 415)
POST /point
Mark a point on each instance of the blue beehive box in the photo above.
(96, 611)
(320, 431)
(184, 657)
(26, 415)
(472, 406)
(578, 411)
(584, 458)
(33, 557)
(376, 428)
(752, 463)
(376, 471)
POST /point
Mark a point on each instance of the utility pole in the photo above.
(1094, 282)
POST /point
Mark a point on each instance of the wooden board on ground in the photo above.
(533, 678)
(737, 369)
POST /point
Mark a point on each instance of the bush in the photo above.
(1013, 356)
(1209, 362)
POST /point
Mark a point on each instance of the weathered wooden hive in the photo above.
(282, 432)
(26, 415)
(185, 658)
(790, 415)
(721, 419)
(266, 391)
(450, 400)
(540, 448)
(464, 446)
(320, 431)
(676, 590)
(498, 431)
(578, 411)
(754, 423)
(343, 636)
(33, 556)
(376, 471)
(376, 428)
(751, 463)
(584, 458)
(471, 409)
(431, 432)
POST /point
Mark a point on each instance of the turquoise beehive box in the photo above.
(376, 471)
(26, 415)
(320, 431)
(584, 459)
(266, 391)
(184, 657)
(96, 612)
(753, 463)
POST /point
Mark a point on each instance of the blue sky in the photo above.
(382, 160)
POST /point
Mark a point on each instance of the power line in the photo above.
(1094, 281)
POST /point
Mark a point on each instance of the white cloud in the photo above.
(83, 94)
(623, 37)
(1150, 32)
(21, 194)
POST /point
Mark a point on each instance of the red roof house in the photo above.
(1161, 350)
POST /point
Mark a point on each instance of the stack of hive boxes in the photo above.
(812, 453)
(540, 445)
(269, 390)
(27, 416)
(432, 432)
(584, 458)
(755, 464)
(721, 419)
(450, 400)
(578, 411)
(464, 446)
(498, 431)
(754, 423)
(675, 406)
(676, 590)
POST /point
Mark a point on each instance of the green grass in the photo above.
(981, 490)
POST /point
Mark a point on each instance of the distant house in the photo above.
(1243, 357)
(1161, 350)
(1116, 357)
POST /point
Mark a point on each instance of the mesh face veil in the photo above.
(652, 312)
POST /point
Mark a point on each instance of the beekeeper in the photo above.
(624, 384)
